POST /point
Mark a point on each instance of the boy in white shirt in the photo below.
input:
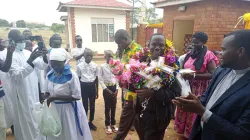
(78, 52)
(88, 73)
(110, 89)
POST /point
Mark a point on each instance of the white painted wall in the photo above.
(83, 26)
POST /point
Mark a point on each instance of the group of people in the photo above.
(218, 107)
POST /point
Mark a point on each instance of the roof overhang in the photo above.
(63, 18)
(162, 4)
(63, 7)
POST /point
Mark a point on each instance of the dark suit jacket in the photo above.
(231, 112)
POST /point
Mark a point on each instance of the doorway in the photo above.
(182, 28)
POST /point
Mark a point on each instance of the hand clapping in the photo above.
(191, 103)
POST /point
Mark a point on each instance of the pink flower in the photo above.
(172, 60)
(111, 62)
(117, 62)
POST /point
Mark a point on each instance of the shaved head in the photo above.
(122, 39)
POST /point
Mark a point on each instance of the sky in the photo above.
(41, 11)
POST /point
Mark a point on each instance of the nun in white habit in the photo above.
(63, 86)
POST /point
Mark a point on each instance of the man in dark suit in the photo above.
(224, 109)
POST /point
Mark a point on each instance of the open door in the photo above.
(182, 29)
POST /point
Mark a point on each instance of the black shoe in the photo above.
(92, 126)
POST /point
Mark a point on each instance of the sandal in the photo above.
(108, 130)
(114, 128)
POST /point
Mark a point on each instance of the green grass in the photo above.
(46, 34)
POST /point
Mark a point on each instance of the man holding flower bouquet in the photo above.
(154, 108)
(130, 49)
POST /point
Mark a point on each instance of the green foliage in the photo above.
(57, 28)
(34, 25)
(151, 16)
(21, 24)
(4, 23)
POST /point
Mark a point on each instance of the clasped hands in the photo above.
(191, 103)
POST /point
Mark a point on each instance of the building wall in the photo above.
(215, 17)
(83, 26)
(181, 27)
(71, 27)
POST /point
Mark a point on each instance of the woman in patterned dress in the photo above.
(203, 62)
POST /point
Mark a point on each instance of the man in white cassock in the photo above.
(24, 87)
(8, 109)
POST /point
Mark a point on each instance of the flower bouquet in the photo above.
(158, 74)
(116, 67)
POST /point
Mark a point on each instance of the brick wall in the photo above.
(73, 29)
(128, 21)
(141, 35)
(215, 17)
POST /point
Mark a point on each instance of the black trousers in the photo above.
(122, 97)
(110, 106)
(147, 127)
(88, 91)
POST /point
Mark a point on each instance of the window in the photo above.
(102, 29)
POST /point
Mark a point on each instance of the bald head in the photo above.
(16, 36)
(122, 38)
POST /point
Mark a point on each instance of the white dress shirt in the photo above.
(75, 52)
(87, 72)
(221, 88)
(106, 76)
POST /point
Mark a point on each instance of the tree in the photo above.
(55, 27)
(151, 16)
(34, 25)
(4, 23)
(21, 24)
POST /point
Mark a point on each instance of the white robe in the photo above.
(70, 131)
(25, 94)
(6, 83)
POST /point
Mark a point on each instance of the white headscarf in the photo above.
(59, 54)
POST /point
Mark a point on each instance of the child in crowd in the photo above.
(110, 89)
(88, 72)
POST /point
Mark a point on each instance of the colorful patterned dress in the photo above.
(130, 53)
(184, 120)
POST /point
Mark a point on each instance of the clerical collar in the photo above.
(239, 72)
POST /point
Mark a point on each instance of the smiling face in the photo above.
(157, 46)
(196, 43)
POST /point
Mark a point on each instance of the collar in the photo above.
(87, 63)
(130, 45)
(240, 72)
(61, 79)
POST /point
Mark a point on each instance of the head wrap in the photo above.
(59, 54)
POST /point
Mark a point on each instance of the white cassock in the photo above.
(7, 86)
(66, 112)
(25, 94)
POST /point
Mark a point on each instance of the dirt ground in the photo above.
(100, 118)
